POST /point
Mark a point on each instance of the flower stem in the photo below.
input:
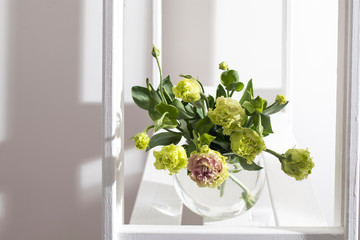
(148, 128)
(240, 184)
(279, 156)
(161, 81)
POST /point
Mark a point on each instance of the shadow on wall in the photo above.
(50, 135)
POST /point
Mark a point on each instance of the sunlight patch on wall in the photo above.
(89, 180)
(3, 67)
(91, 52)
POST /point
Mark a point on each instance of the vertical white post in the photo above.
(113, 119)
(157, 37)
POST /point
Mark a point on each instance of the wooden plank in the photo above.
(294, 202)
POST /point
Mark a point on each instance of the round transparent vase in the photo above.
(234, 201)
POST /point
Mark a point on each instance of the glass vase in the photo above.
(240, 193)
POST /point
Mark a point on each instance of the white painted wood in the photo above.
(112, 118)
(294, 202)
(351, 184)
(135, 232)
(157, 202)
(112, 193)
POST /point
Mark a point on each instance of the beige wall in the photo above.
(50, 145)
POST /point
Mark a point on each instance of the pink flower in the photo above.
(207, 168)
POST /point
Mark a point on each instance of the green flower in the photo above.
(141, 140)
(223, 66)
(171, 157)
(207, 167)
(297, 163)
(280, 99)
(188, 90)
(246, 143)
(228, 113)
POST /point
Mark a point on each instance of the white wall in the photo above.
(314, 66)
(50, 144)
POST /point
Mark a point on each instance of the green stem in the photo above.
(279, 156)
(161, 81)
(232, 93)
(148, 128)
(240, 184)
(270, 105)
(250, 121)
(203, 96)
(227, 93)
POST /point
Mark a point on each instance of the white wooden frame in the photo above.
(347, 189)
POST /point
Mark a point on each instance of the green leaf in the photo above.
(249, 167)
(259, 104)
(199, 104)
(185, 76)
(165, 138)
(206, 139)
(265, 122)
(211, 101)
(163, 108)
(164, 122)
(167, 85)
(236, 86)
(248, 93)
(190, 148)
(220, 91)
(203, 125)
(258, 124)
(228, 77)
(154, 100)
(185, 129)
(183, 113)
(141, 96)
(274, 108)
(248, 106)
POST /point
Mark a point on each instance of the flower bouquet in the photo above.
(211, 139)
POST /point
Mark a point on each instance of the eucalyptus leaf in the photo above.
(163, 139)
(235, 86)
(229, 76)
(248, 93)
(141, 97)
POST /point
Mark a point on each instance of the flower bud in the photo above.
(141, 140)
(223, 66)
(246, 143)
(172, 158)
(155, 52)
(188, 90)
(228, 113)
(297, 163)
(280, 99)
(207, 168)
